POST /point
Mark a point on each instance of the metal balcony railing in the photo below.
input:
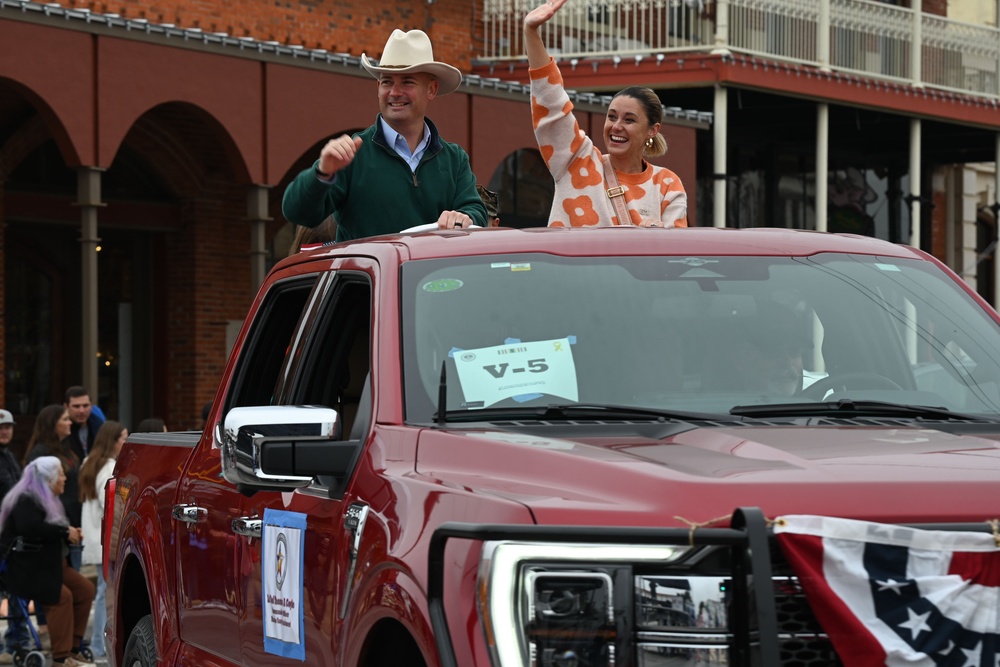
(859, 36)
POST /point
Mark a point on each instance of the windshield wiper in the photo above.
(846, 407)
(556, 412)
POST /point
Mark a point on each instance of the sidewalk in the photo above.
(87, 570)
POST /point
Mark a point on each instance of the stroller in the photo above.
(27, 656)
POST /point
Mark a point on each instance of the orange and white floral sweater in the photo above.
(581, 197)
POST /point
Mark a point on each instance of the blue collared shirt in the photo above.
(398, 143)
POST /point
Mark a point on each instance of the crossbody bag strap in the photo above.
(616, 193)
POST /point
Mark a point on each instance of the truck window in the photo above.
(336, 362)
(268, 344)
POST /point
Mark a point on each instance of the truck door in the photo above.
(207, 547)
(334, 372)
(206, 551)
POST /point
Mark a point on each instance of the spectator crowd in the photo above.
(51, 506)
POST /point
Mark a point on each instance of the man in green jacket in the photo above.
(398, 173)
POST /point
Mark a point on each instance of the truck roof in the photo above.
(587, 241)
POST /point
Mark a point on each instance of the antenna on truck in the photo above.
(442, 393)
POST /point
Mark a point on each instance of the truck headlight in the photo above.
(560, 605)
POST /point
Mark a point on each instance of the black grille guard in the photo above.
(749, 537)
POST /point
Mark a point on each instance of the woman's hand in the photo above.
(542, 13)
(75, 535)
(538, 55)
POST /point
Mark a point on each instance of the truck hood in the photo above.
(909, 475)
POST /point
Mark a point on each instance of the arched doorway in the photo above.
(525, 188)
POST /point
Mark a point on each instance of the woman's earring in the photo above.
(649, 142)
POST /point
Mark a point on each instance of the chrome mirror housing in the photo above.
(258, 444)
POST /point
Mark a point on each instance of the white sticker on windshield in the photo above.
(491, 374)
(886, 267)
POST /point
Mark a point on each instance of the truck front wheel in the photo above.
(140, 650)
(390, 645)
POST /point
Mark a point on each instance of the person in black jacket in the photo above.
(16, 635)
(51, 437)
(35, 535)
(10, 469)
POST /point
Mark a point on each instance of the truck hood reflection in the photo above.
(886, 474)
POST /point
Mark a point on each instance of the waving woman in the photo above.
(588, 181)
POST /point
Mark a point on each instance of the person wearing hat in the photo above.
(16, 635)
(399, 172)
(10, 470)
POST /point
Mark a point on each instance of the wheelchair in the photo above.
(32, 655)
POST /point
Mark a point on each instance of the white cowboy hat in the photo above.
(411, 52)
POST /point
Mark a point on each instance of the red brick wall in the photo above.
(938, 7)
(347, 26)
(202, 301)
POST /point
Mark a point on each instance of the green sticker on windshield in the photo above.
(443, 285)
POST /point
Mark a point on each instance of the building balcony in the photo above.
(860, 37)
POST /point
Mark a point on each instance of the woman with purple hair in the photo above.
(37, 564)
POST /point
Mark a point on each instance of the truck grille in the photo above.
(683, 621)
(803, 643)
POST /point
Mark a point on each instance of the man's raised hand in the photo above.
(338, 153)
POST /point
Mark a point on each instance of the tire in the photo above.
(35, 659)
(140, 650)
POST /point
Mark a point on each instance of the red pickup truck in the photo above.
(554, 447)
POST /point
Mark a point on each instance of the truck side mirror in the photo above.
(281, 447)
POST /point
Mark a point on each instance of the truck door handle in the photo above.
(354, 524)
(189, 513)
(248, 526)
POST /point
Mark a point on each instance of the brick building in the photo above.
(144, 148)
(142, 159)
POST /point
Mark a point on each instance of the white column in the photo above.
(721, 27)
(257, 214)
(720, 139)
(88, 198)
(916, 46)
(823, 36)
(948, 179)
(967, 238)
(822, 165)
(915, 182)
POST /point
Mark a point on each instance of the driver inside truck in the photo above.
(770, 351)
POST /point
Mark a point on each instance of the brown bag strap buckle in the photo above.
(616, 193)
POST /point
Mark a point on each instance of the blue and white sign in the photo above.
(283, 539)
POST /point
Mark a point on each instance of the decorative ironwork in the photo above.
(865, 37)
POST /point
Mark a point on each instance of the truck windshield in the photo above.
(695, 334)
